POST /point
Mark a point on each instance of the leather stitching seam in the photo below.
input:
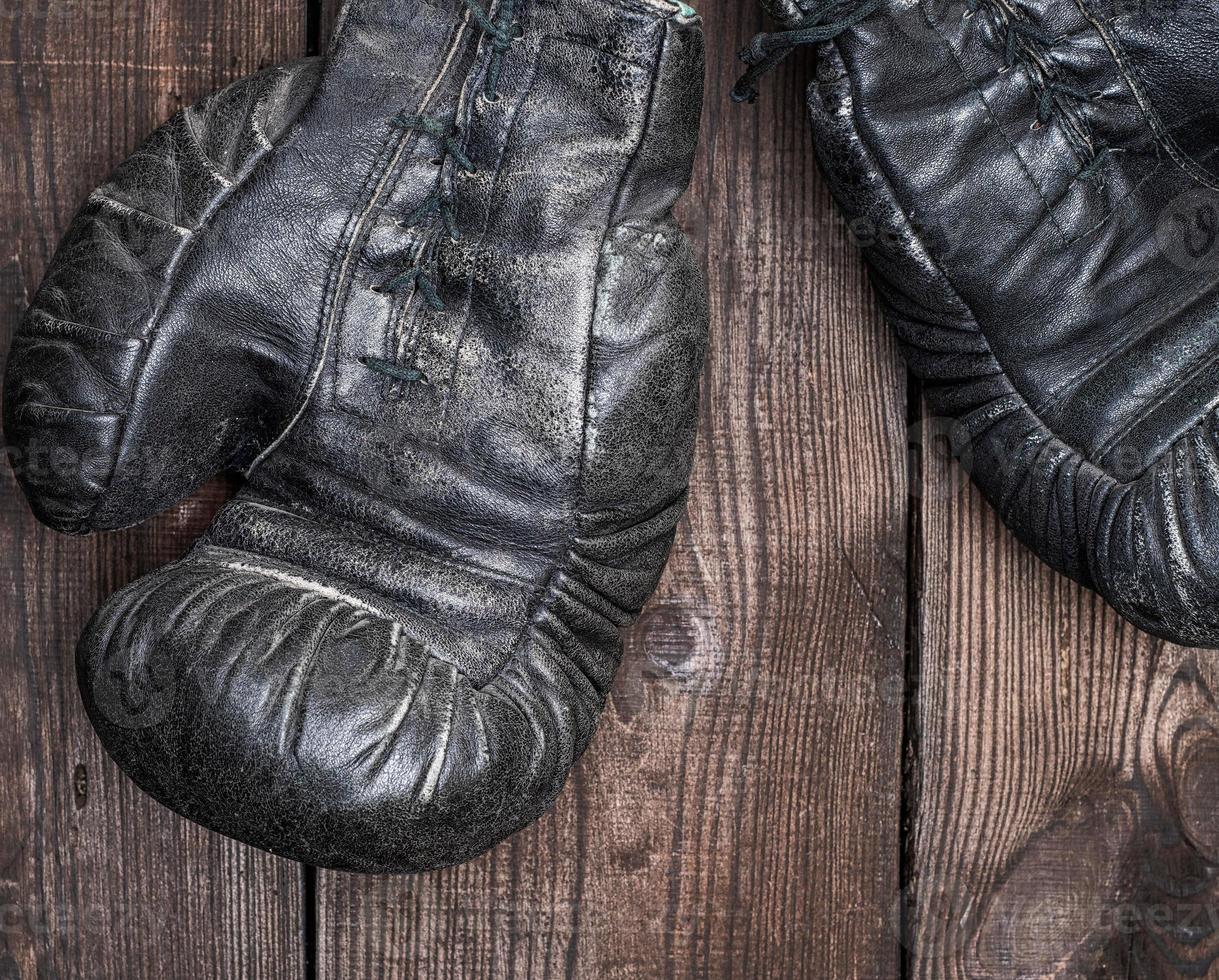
(1135, 80)
(491, 196)
(1073, 140)
(542, 601)
(1119, 205)
(996, 125)
(339, 282)
(465, 106)
(482, 571)
(1100, 361)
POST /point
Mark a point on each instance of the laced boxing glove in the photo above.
(429, 295)
(1036, 185)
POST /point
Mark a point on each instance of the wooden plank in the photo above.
(739, 812)
(1068, 769)
(96, 880)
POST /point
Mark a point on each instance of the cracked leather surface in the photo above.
(1054, 281)
(391, 646)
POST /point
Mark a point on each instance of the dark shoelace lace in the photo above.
(1021, 37)
(502, 31)
(832, 18)
(442, 202)
(823, 23)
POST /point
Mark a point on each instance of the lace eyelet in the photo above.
(1037, 125)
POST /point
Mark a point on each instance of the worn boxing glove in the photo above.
(429, 295)
(1036, 184)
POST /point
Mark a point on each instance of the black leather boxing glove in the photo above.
(429, 295)
(1036, 184)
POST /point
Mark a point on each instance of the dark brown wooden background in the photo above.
(859, 733)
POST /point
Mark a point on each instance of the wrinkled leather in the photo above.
(1059, 301)
(391, 646)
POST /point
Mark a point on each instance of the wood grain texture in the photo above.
(738, 814)
(96, 880)
(1068, 773)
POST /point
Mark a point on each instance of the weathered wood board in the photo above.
(860, 732)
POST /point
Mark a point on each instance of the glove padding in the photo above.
(429, 294)
(1036, 187)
